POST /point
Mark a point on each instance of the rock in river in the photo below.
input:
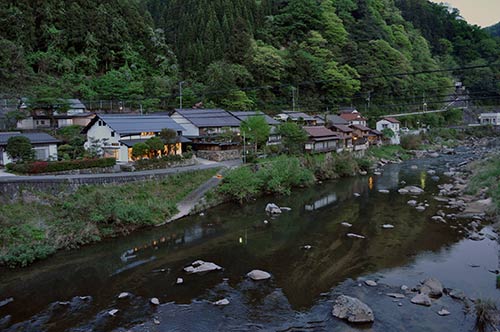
(123, 295)
(370, 283)
(273, 208)
(432, 287)
(396, 295)
(222, 302)
(443, 312)
(155, 301)
(384, 191)
(355, 236)
(346, 224)
(387, 226)
(352, 310)
(258, 275)
(421, 299)
(200, 266)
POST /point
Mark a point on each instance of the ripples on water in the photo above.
(305, 282)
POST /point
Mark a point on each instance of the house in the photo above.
(322, 139)
(360, 137)
(375, 137)
(44, 145)
(345, 133)
(115, 135)
(41, 118)
(274, 136)
(300, 117)
(205, 122)
(320, 120)
(390, 123)
(490, 119)
(347, 109)
(353, 118)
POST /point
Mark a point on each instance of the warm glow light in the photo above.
(370, 183)
(241, 240)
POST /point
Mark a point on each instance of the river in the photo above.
(75, 290)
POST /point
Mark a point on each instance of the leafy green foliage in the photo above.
(256, 129)
(38, 167)
(411, 142)
(241, 184)
(19, 149)
(140, 150)
(293, 137)
(31, 231)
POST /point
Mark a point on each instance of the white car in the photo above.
(404, 130)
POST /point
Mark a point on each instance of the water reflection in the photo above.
(228, 236)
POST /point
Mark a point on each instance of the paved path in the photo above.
(189, 202)
(121, 175)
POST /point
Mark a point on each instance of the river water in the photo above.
(75, 290)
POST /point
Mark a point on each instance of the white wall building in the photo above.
(44, 145)
(115, 135)
(393, 124)
(490, 119)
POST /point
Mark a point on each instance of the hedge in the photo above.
(162, 162)
(38, 167)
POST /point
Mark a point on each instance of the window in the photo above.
(112, 134)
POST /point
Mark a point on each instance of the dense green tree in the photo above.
(256, 130)
(19, 149)
(293, 137)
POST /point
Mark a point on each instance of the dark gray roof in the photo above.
(35, 138)
(319, 120)
(299, 115)
(75, 104)
(335, 119)
(243, 115)
(133, 124)
(203, 118)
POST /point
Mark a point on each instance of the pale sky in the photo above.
(481, 12)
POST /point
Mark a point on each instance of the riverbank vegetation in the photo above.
(486, 176)
(33, 230)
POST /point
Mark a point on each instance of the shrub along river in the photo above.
(75, 290)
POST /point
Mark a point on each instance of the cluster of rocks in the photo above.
(272, 208)
(353, 310)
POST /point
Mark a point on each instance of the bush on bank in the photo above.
(37, 167)
(31, 231)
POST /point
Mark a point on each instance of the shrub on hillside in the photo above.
(38, 167)
(411, 142)
(241, 184)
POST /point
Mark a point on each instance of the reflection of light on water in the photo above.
(332, 198)
(241, 240)
(370, 182)
(423, 177)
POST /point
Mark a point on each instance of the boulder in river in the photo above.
(370, 283)
(438, 219)
(412, 202)
(443, 312)
(457, 294)
(222, 302)
(273, 208)
(420, 208)
(421, 299)
(285, 208)
(431, 172)
(355, 236)
(352, 310)
(433, 154)
(258, 275)
(346, 224)
(200, 266)
(396, 295)
(154, 301)
(357, 194)
(384, 191)
(432, 287)
(113, 312)
(179, 281)
(387, 226)
(124, 295)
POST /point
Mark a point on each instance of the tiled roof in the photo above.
(336, 120)
(299, 115)
(392, 120)
(318, 131)
(342, 128)
(35, 138)
(360, 127)
(203, 118)
(132, 124)
(352, 117)
(243, 115)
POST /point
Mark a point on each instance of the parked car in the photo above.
(404, 130)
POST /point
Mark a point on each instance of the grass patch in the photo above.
(486, 315)
(33, 231)
(388, 152)
(486, 174)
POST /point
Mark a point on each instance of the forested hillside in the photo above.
(244, 54)
(494, 30)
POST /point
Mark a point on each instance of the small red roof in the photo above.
(352, 117)
(392, 120)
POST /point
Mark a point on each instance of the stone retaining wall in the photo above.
(219, 155)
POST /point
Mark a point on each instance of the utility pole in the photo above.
(293, 99)
(180, 94)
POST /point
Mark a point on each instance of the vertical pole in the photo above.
(293, 99)
(180, 94)
(244, 148)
